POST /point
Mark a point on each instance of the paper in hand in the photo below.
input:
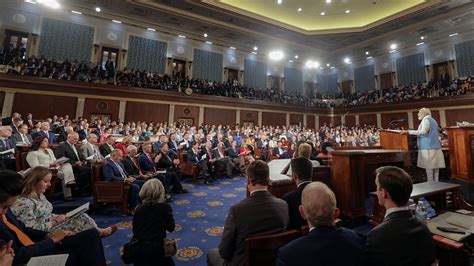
(51, 260)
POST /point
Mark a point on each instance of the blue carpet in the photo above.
(199, 217)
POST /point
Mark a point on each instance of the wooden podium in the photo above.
(393, 140)
(461, 152)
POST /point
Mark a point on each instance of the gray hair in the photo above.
(152, 192)
(131, 148)
(319, 203)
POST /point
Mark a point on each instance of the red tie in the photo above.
(151, 160)
(134, 160)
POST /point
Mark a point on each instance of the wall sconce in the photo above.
(124, 52)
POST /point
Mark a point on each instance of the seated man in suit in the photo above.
(81, 171)
(16, 123)
(44, 132)
(401, 239)
(210, 159)
(148, 165)
(7, 160)
(108, 146)
(223, 162)
(90, 150)
(195, 156)
(325, 244)
(302, 173)
(260, 213)
(280, 152)
(185, 142)
(84, 248)
(22, 135)
(114, 171)
(173, 146)
(173, 173)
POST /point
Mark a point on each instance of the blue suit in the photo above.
(111, 172)
(146, 165)
(324, 245)
(51, 137)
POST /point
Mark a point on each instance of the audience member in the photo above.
(401, 239)
(325, 243)
(173, 173)
(195, 156)
(108, 146)
(22, 135)
(260, 213)
(90, 151)
(7, 159)
(223, 162)
(44, 132)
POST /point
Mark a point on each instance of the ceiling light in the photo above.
(208, 42)
(422, 37)
(276, 55)
(420, 43)
(369, 57)
(328, 65)
(392, 51)
(76, 12)
(332, 67)
(322, 68)
(151, 29)
(97, 9)
(367, 53)
(348, 11)
(232, 47)
(393, 46)
(279, 2)
(296, 56)
(309, 64)
(323, 13)
(181, 36)
(49, 3)
(328, 1)
(205, 35)
(347, 60)
(300, 9)
(117, 21)
(254, 52)
(291, 61)
(255, 48)
(30, 1)
(454, 34)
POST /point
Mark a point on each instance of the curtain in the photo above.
(326, 83)
(207, 65)
(465, 58)
(364, 79)
(255, 74)
(146, 54)
(411, 69)
(293, 80)
(62, 40)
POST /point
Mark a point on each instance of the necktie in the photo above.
(24, 239)
(122, 173)
(151, 160)
(75, 151)
(134, 160)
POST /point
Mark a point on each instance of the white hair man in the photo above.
(430, 156)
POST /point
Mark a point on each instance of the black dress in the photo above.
(150, 223)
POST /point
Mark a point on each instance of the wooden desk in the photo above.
(353, 175)
(433, 191)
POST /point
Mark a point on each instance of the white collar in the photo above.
(395, 209)
(304, 182)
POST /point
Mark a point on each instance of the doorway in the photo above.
(179, 69)
(232, 74)
(386, 80)
(441, 73)
(347, 87)
(14, 46)
(273, 82)
(109, 58)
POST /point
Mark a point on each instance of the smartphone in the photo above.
(453, 230)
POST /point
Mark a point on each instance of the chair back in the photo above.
(322, 173)
(262, 250)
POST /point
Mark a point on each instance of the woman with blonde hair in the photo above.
(35, 211)
(127, 140)
(151, 221)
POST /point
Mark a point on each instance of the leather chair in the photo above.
(187, 168)
(262, 250)
(108, 192)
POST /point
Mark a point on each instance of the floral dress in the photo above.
(37, 213)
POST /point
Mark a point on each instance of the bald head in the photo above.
(319, 205)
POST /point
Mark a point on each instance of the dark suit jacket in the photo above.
(165, 161)
(324, 245)
(193, 157)
(111, 172)
(24, 253)
(401, 239)
(17, 137)
(293, 199)
(284, 155)
(4, 148)
(51, 137)
(105, 149)
(145, 164)
(233, 153)
(130, 167)
(65, 150)
(62, 133)
(259, 213)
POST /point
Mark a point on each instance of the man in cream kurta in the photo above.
(430, 155)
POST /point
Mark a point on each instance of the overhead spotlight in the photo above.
(300, 9)
(208, 42)
(420, 43)
(151, 29)
(254, 52)
(369, 57)
(31, 2)
(76, 12)
(393, 46)
(205, 35)
(49, 3)
(347, 60)
(276, 55)
(328, 65)
(422, 37)
(117, 21)
(97, 9)
(279, 2)
(255, 48)
(348, 11)
(296, 56)
(182, 36)
(366, 52)
(323, 13)
(309, 64)
(232, 47)
(332, 67)
(453, 34)
(328, 1)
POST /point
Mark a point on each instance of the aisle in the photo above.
(199, 217)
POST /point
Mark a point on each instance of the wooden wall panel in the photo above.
(416, 122)
(101, 107)
(296, 119)
(350, 120)
(2, 99)
(367, 119)
(324, 119)
(387, 118)
(148, 112)
(187, 112)
(459, 115)
(247, 116)
(219, 116)
(273, 119)
(44, 106)
(310, 121)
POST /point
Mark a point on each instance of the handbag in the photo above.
(170, 247)
(130, 251)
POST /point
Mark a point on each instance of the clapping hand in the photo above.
(7, 254)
